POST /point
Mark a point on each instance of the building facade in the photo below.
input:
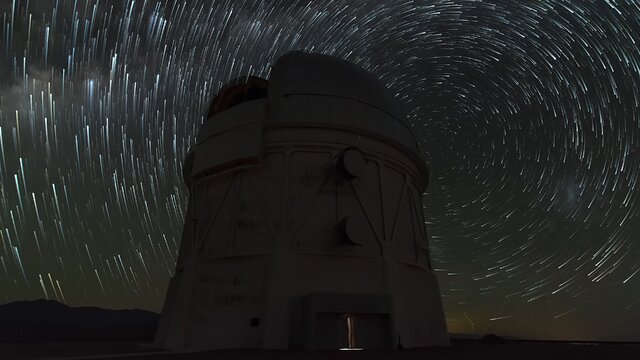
(305, 225)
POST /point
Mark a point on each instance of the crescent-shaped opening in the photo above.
(238, 91)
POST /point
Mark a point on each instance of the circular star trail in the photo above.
(528, 111)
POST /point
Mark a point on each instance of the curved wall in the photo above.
(305, 216)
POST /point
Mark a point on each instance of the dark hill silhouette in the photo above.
(44, 321)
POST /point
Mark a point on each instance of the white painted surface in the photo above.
(264, 262)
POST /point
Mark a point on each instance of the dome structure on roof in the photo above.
(351, 96)
(305, 226)
(298, 73)
(315, 90)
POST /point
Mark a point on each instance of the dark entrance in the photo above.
(352, 331)
(332, 321)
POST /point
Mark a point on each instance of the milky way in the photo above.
(528, 111)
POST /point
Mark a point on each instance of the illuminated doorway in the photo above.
(351, 331)
(350, 322)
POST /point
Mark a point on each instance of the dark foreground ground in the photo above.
(460, 349)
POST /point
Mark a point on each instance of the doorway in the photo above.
(348, 331)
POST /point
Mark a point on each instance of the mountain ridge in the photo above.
(48, 320)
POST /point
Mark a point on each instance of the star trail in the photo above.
(528, 111)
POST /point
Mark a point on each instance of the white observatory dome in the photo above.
(305, 226)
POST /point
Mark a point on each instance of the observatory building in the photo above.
(305, 225)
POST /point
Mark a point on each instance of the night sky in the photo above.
(528, 111)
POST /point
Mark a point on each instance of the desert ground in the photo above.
(459, 350)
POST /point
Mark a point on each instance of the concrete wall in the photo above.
(259, 239)
(314, 189)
